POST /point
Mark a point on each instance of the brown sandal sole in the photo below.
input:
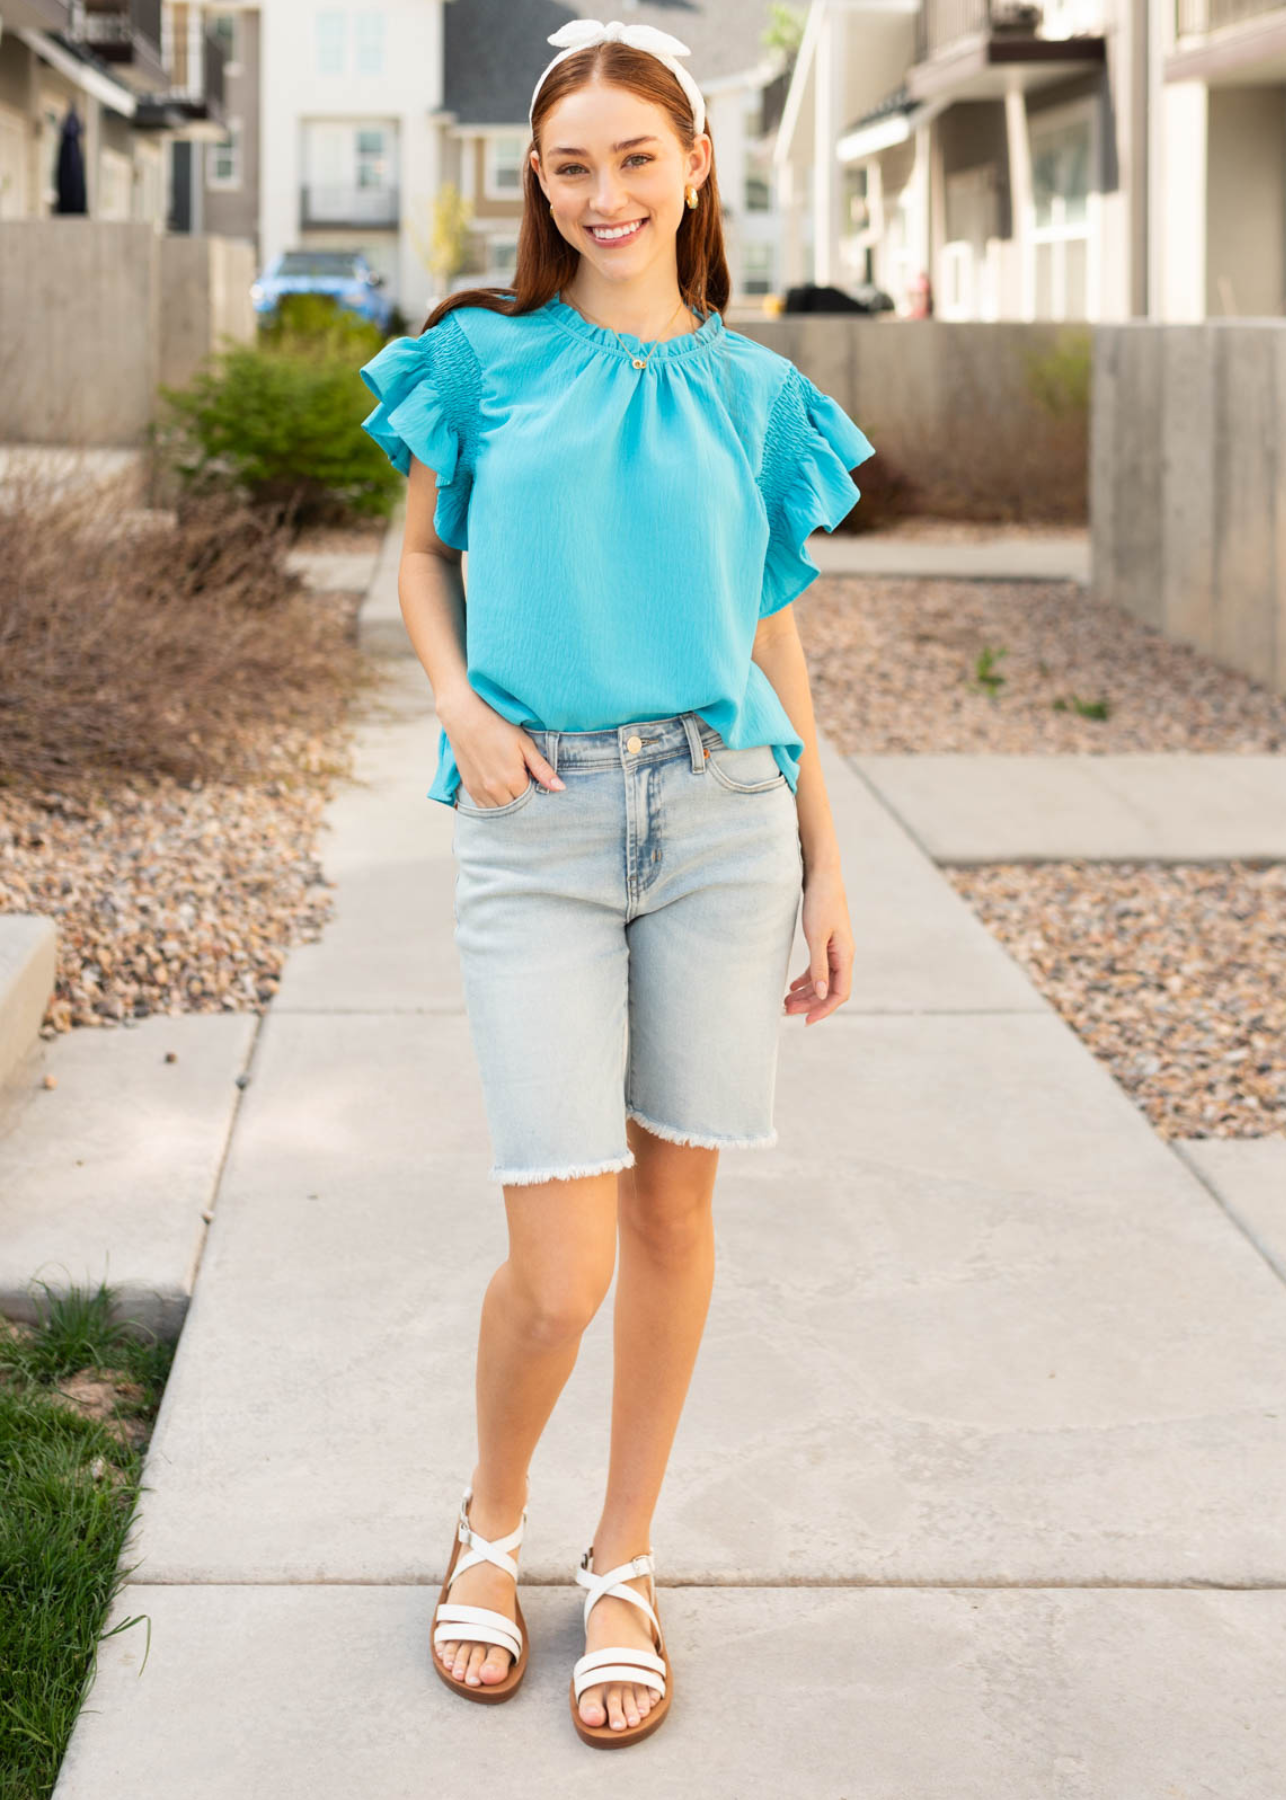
(489, 1693)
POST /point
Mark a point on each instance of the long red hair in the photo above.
(546, 262)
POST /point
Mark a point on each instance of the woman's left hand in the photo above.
(830, 944)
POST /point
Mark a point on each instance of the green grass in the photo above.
(69, 1484)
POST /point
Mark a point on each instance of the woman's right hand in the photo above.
(493, 755)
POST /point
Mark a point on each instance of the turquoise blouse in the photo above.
(626, 528)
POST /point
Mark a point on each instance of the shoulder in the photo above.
(765, 369)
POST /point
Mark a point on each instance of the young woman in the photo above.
(627, 741)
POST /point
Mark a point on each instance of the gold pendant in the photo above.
(640, 362)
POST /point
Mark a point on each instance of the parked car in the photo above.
(810, 298)
(343, 274)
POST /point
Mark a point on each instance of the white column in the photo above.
(827, 68)
(1020, 193)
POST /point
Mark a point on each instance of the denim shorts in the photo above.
(624, 945)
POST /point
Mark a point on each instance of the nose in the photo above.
(608, 195)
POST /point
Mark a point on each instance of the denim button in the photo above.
(634, 743)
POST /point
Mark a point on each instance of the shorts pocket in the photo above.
(750, 771)
(467, 807)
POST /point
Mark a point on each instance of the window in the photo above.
(506, 153)
(757, 268)
(758, 192)
(330, 43)
(502, 256)
(1060, 172)
(223, 160)
(368, 43)
(1062, 262)
(225, 26)
(372, 157)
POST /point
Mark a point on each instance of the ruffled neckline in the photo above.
(688, 343)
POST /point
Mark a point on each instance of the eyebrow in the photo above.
(625, 144)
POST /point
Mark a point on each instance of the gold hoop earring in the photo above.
(690, 195)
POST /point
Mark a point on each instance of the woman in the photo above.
(628, 745)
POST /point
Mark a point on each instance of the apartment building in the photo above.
(137, 87)
(348, 146)
(1076, 159)
(1218, 192)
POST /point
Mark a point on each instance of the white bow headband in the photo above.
(579, 34)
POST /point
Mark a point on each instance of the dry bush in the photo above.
(151, 644)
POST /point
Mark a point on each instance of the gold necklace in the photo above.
(640, 362)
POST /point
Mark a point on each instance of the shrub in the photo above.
(130, 643)
(281, 420)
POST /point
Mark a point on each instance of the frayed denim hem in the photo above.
(574, 1172)
(701, 1140)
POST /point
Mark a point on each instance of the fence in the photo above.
(95, 313)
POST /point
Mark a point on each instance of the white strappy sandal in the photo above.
(621, 1662)
(457, 1623)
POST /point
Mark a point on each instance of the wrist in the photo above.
(449, 703)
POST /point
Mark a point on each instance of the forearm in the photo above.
(430, 591)
(780, 655)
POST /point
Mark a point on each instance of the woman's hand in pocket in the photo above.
(495, 757)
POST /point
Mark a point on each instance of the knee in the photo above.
(669, 1227)
(555, 1309)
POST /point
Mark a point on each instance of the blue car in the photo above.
(343, 274)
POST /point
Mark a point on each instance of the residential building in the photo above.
(1218, 194)
(1076, 159)
(135, 87)
(214, 182)
(348, 144)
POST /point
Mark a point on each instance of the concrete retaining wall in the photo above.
(1188, 485)
(953, 408)
(94, 313)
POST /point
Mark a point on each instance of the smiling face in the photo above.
(614, 174)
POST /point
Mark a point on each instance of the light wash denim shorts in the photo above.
(624, 944)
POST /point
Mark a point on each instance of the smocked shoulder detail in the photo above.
(810, 445)
(429, 390)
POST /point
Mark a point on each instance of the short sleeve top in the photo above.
(626, 528)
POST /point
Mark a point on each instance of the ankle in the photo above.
(496, 1507)
(617, 1546)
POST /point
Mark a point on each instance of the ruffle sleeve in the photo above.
(809, 447)
(428, 389)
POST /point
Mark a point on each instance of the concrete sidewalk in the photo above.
(1169, 806)
(1004, 556)
(973, 1494)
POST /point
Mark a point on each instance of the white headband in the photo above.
(579, 34)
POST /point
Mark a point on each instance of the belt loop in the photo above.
(695, 747)
(551, 750)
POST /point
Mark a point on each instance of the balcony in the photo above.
(192, 93)
(1228, 43)
(325, 204)
(1196, 18)
(980, 49)
(126, 34)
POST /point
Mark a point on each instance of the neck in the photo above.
(649, 307)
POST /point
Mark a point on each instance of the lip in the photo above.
(609, 242)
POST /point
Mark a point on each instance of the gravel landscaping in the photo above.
(1173, 975)
(894, 665)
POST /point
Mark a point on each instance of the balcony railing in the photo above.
(323, 203)
(125, 33)
(1194, 18)
(940, 23)
(196, 58)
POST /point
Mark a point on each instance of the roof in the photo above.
(495, 49)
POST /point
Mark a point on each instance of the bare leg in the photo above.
(562, 1247)
(662, 1298)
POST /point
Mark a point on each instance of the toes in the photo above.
(477, 1656)
(496, 1665)
(615, 1710)
(643, 1701)
(591, 1707)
